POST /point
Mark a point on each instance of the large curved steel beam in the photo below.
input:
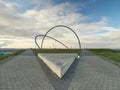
(50, 38)
(60, 26)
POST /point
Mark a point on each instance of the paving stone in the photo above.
(91, 72)
(95, 73)
(23, 73)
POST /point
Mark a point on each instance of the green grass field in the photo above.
(13, 54)
(56, 51)
(112, 54)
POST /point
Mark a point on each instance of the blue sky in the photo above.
(109, 8)
(92, 8)
(95, 21)
(98, 8)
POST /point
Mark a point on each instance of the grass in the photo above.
(13, 54)
(36, 51)
(112, 54)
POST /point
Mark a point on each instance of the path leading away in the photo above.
(91, 72)
(23, 72)
(95, 73)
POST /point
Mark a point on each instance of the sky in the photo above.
(96, 22)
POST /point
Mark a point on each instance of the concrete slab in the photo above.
(59, 63)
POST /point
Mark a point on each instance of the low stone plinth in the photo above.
(59, 63)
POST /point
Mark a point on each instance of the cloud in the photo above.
(38, 20)
(42, 3)
(43, 16)
(4, 43)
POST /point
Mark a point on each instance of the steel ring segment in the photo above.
(60, 26)
(50, 38)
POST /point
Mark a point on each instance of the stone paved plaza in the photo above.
(94, 73)
(27, 72)
(23, 73)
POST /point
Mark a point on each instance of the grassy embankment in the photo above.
(112, 54)
(13, 54)
(56, 51)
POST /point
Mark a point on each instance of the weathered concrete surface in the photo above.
(59, 63)
(23, 73)
(95, 73)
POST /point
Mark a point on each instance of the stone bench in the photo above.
(59, 63)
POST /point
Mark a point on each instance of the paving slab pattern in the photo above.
(23, 73)
(95, 73)
(91, 72)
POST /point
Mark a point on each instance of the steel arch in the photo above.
(51, 38)
(60, 26)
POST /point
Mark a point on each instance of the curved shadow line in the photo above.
(51, 38)
(60, 26)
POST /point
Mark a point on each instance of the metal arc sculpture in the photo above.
(55, 61)
(50, 38)
(44, 36)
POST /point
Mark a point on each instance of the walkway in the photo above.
(23, 72)
(95, 73)
(91, 72)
